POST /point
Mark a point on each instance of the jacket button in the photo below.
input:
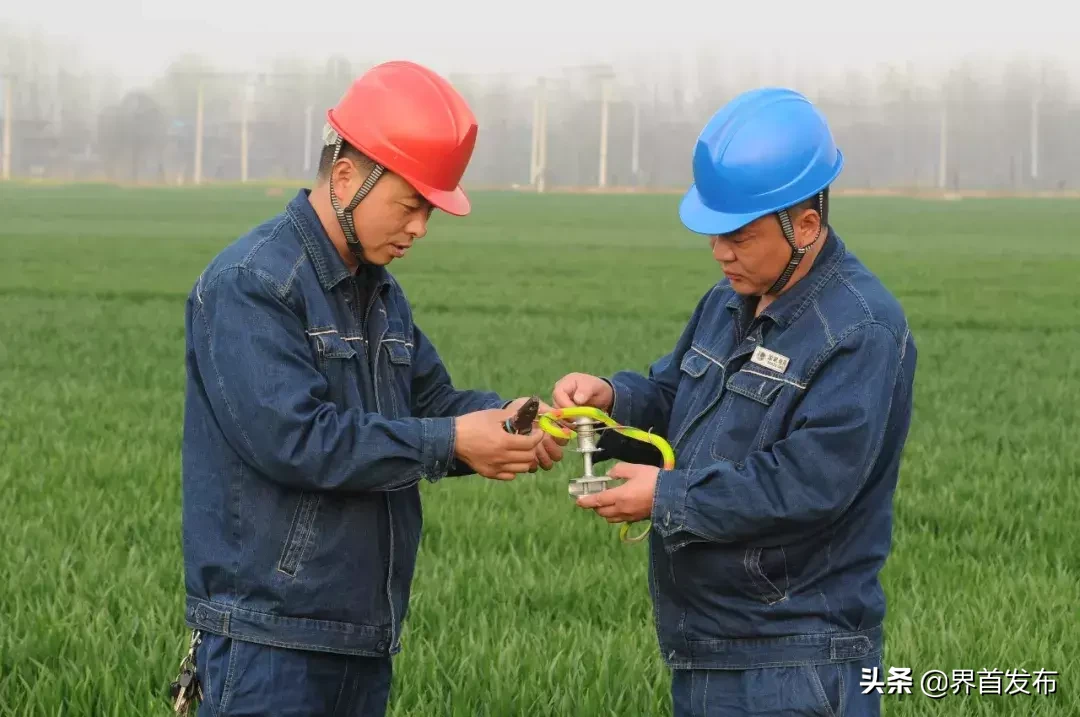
(381, 646)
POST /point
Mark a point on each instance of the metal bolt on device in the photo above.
(589, 482)
(588, 422)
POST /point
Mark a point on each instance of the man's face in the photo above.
(755, 256)
(389, 218)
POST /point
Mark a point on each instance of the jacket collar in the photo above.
(790, 304)
(324, 256)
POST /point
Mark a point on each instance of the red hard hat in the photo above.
(415, 124)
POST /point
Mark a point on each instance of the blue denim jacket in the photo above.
(769, 533)
(309, 421)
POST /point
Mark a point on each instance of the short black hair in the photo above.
(819, 203)
(811, 203)
(326, 160)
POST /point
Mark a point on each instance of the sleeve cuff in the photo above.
(669, 514)
(669, 502)
(621, 402)
(437, 447)
(620, 412)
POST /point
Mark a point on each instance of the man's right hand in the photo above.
(581, 389)
(482, 443)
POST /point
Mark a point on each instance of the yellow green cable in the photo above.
(549, 423)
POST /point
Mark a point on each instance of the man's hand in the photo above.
(549, 450)
(630, 502)
(482, 443)
(581, 389)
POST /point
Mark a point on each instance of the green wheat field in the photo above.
(523, 603)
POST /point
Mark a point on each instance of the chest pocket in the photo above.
(395, 374)
(694, 363)
(338, 362)
(699, 382)
(745, 415)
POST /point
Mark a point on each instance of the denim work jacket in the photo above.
(310, 418)
(769, 533)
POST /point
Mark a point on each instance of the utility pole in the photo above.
(534, 147)
(943, 142)
(605, 76)
(1035, 137)
(538, 158)
(9, 111)
(307, 139)
(1036, 99)
(198, 133)
(249, 84)
(541, 163)
(249, 92)
(605, 100)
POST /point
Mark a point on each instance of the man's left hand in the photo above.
(630, 502)
(549, 450)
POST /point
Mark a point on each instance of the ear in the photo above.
(343, 172)
(807, 226)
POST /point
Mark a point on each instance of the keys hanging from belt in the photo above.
(186, 690)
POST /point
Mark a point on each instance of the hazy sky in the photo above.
(139, 38)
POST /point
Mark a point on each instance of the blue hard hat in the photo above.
(766, 150)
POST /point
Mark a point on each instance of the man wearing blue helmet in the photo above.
(787, 399)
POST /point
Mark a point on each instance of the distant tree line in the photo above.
(972, 129)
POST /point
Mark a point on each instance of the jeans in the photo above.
(824, 690)
(246, 678)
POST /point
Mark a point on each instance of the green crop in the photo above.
(524, 604)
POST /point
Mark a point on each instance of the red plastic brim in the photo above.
(454, 202)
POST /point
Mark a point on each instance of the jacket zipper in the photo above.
(373, 366)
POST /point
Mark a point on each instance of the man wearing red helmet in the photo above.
(314, 407)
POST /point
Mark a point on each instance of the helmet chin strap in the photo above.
(344, 215)
(797, 252)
